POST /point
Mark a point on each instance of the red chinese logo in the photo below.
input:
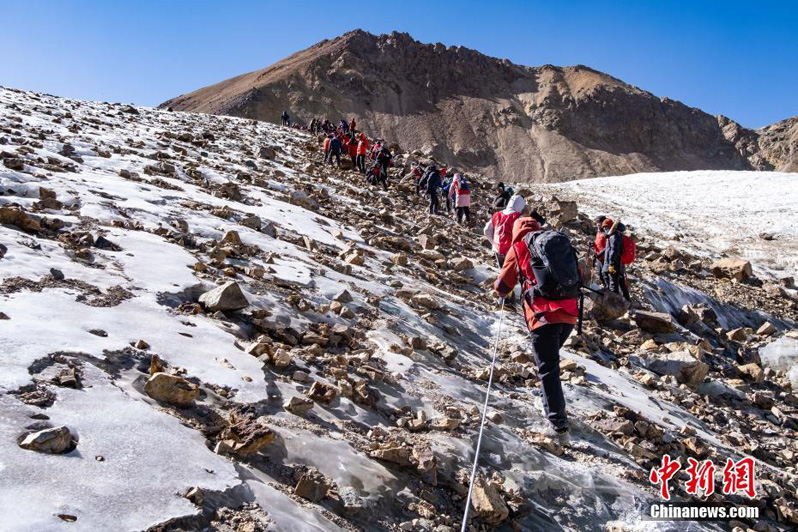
(702, 477)
(737, 477)
(663, 475)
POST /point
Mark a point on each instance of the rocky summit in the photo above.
(203, 327)
(488, 115)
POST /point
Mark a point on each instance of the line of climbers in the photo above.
(527, 252)
(374, 158)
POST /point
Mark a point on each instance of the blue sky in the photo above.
(726, 57)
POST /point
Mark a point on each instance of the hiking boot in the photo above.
(563, 436)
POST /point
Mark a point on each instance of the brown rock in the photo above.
(246, 435)
(298, 405)
(654, 322)
(312, 486)
(732, 268)
(737, 335)
(488, 503)
(752, 371)
(426, 300)
(57, 440)
(606, 306)
(13, 215)
(166, 388)
(322, 392)
(767, 329)
(394, 453)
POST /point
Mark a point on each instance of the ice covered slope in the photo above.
(116, 219)
(753, 215)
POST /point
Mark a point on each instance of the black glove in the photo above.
(538, 218)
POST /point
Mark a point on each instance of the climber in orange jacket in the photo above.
(550, 321)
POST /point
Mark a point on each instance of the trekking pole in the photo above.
(482, 423)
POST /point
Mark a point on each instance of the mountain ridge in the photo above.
(490, 115)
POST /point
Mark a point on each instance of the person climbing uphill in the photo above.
(417, 174)
(499, 229)
(446, 185)
(545, 264)
(460, 190)
(614, 267)
(504, 195)
(335, 150)
(599, 247)
(362, 150)
(384, 157)
(352, 150)
(432, 183)
(326, 147)
(285, 119)
(499, 232)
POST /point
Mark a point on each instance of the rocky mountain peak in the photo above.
(489, 115)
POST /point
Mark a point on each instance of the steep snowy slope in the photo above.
(116, 219)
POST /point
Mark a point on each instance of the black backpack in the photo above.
(554, 264)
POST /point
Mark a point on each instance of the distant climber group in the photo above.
(614, 250)
(527, 251)
(373, 158)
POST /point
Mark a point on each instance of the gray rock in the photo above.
(685, 367)
(343, 297)
(226, 297)
(303, 200)
(251, 221)
(57, 440)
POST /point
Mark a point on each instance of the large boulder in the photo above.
(460, 264)
(426, 300)
(685, 367)
(14, 215)
(605, 306)
(312, 486)
(298, 405)
(56, 440)
(267, 152)
(167, 388)
(732, 268)
(752, 371)
(564, 211)
(488, 503)
(303, 200)
(226, 297)
(654, 322)
(244, 436)
(427, 241)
